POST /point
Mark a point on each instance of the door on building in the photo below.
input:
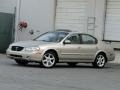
(6, 30)
(112, 25)
(75, 15)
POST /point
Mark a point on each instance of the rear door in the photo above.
(88, 46)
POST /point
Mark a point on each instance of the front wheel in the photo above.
(100, 61)
(21, 62)
(49, 59)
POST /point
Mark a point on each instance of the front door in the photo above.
(71, 51)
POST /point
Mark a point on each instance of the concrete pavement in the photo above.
(61, 77)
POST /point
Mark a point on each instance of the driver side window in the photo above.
(74, 39)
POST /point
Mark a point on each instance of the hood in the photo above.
(30, 43)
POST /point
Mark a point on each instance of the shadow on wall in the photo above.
(6, 30)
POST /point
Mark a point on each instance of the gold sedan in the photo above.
(62, 46)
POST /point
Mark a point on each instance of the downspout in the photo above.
(55, 7)
(17, 19)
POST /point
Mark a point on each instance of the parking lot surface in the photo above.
(61, 77)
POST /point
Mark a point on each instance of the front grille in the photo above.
(18, 56)
(17, 48)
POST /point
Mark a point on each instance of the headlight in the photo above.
(32, 49)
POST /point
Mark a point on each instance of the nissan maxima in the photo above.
(62, 47)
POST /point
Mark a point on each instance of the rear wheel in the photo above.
(100, 61)
(21, 62)
(49, 59)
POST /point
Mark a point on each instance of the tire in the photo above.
(100, 61)
(21, 62)
(72, 64)
(49, 60)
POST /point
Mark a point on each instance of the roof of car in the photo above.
(64, 30)
(70, 31)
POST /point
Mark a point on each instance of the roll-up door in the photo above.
(71, 14)
(112, 25)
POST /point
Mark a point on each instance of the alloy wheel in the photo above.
(49, 60)
(100, 61)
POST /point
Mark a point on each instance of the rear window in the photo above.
(88, 39)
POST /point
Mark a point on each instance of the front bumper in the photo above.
(22, 55)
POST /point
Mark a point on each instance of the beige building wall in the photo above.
(39, 15)
(8, 6)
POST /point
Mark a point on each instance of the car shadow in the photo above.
(61, 66)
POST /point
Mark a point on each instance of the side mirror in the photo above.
(67, 42)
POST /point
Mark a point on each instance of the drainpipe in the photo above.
(17, 19)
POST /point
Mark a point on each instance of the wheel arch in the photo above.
(54, 51)
(101, 52)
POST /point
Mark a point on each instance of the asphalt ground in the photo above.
(61, 77)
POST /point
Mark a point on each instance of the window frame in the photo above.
(73, 35)
(81, 40)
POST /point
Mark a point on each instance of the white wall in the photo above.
(100, 18)
(39, 14)
(7, 6)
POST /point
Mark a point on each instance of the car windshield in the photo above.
(52, 36)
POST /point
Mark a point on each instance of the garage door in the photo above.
(112, 25)
(71, 14)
